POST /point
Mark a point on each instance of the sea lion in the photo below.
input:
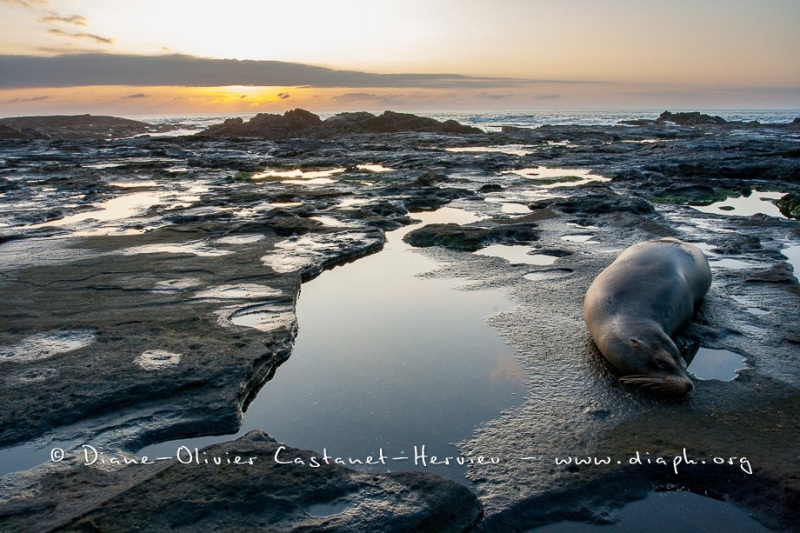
(634, 306)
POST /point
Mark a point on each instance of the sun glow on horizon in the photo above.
(616, 53)
(130, 100)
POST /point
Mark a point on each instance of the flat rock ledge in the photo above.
(274, 488)
(471, 238)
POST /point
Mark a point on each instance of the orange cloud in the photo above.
(30, 4)
(76, 20)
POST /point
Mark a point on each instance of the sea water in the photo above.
(495, 120)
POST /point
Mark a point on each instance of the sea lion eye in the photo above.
(663, 364)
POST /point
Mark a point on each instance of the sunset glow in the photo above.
(527, 54)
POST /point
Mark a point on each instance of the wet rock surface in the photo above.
(149, 290)
(73, 127)
(259, 484)
(472, 237)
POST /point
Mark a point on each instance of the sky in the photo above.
(191, 56)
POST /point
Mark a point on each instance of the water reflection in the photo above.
(517, 255)
(298, 176)
(669, 512)
(792, 254)
(388, 360)
(721, 365)
(511, 149)
(122, 207)
(557, 177)
(745, 206)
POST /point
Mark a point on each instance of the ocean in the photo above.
(495, 120)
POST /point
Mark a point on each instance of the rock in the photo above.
(694, 118)
(391, 122)
(471, 238)
(599, 203)
(7, 185)
(697, 194)
(385, 215)
(76, 127)
(429, 179)
(638, 122)
(789, 204)
(433, 197)
(274, 488)
(300, 123)
(295, 123)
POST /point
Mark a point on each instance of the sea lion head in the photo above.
(654, 363)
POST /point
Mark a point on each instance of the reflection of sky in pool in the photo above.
(517, 255)
(511, 149)
(557, 177)
(104, 219)
(668, 512)
(118, 208)
(757, 202)
(296, 174)
(792, 254)
(716, 364)
(515, 209)
(374, 168)
(388, 359)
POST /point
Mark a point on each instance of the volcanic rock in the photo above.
(694, 118)
(789, 205)
(598, 203)
(471, 238)
(271, 487)
(302, 123)
(74, 127)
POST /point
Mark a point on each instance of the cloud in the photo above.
(135, 96)
(76, 20)
(283, 96)
(548, 97)
(70, 70)
(32, 99)
(30, 4)
(67, 49)
(358, 97)
(97, 38)
(489, 96)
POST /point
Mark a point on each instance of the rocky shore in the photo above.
(149, 287)
(74, 127)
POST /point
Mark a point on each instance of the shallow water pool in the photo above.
(387, 362)
(668, 512)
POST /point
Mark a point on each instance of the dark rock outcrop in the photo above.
(73, 127)
(302, 123)
(295, 123)
(471, 238)
(598, 203)
(695, 118)
(696, 194)
(789, 205)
